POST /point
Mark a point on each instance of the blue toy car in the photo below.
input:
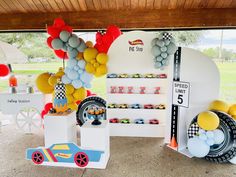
(112, 75)
(139, 121)
(135, 106)
(66, 153)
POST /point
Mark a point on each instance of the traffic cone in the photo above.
(173, 142)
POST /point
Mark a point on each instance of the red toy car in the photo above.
(148, 106)
(114, 120)
(154, 121)
(163, 76)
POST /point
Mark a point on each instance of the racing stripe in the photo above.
(51, 155)
(47, 155)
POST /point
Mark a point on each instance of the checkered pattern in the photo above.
(60, 91)
(193, 130)
(166, 36)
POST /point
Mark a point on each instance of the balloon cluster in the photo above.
(105, 39)
(4, 70)
(205, 132)
(162, 48)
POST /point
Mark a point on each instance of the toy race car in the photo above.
(136, 76)
(162, 76)
(125, 121)
(112, 75)
(66, 153)
(160, 106)
(123, 106)
(135, 106)
(123, 76)
(148, 106)
(114, 120)
(153, 121)
(139, 121)
(149, 76)
(112, 105)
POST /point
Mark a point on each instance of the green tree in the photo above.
(214, 53)
(186, 38)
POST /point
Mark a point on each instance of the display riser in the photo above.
(137, 130)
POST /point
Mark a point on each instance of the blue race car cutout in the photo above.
(66, 153)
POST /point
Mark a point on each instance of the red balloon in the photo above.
(53, 31)
(59, 23)
(78, 102)
(4, 70)
(43, 113)
(47, 107)
(89, 93)
(61, 54)
(67, 28)
(107, 39)
(49, 41)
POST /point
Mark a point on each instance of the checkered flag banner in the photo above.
(60, 91)
(166, 36)
(193, 130)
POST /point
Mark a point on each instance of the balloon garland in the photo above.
(162, 48)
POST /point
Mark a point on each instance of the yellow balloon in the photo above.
(102, 58)
(80, 56)
(53, 80)
(42, 83)
(73, 106)
(89, 44)
(96, 65)
(93, 61)
(102, 69)
(208, 120)
(69, 89)
(219, 105)
(232, 110)
(90, 53)
(60, 72)
(80, 94)
(90, 68)
(70, 98)
(234, 117)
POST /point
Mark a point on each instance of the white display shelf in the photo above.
(134, 130)
(137, 94)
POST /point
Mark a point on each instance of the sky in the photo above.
(211, 39)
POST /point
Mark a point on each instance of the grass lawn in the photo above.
(227, 73)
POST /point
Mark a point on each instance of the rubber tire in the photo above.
(227, 150)
(92, 100)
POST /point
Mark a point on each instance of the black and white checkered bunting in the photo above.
(60, 91)
(193, 130)
(166, 36)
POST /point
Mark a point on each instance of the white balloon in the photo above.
(197, 147)
(219, 136)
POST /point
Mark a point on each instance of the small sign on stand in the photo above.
(181, 93)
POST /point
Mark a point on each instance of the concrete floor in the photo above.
(130, 157)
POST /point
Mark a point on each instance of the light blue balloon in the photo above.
(210, 134)
(158, 65)
(159, 58)
(82, 46)
(166, 62)
(80, 71)
(167, 42)
(154, 41)
(71, 63)
(73, 75)
(65, 79)
(57, 44)
(219, 136)
(64, 36)
(155, 50)
(203, 137)
(164, 49)
(87, 85)
(201, 131)
(197, 147)
(164, 55)
(76, 68)
(171, 48)
(64, 47)
(77, 83)
(67, 69)
(74, 41)
(210, 142)
(81, 64)
(160, 43)
(72, 53)
(86, 77)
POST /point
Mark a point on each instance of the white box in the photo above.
(96, 137)
(60, 129)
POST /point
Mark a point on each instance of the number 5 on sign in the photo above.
(181, 93)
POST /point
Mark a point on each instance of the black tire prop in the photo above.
(93, 101)
(227, 150)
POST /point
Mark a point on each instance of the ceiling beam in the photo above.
(125, 19)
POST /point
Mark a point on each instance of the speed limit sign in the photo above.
(181, 93)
